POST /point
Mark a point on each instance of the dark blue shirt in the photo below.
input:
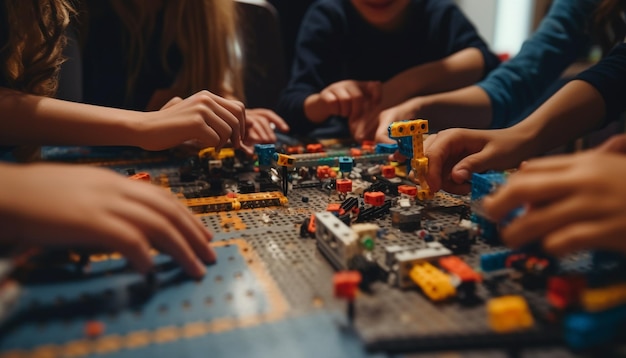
(335, 43)
(609, 78)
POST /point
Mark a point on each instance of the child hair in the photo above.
(609, 25)
(204, 31)
(33, 41)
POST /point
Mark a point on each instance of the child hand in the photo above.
(78, 206)
(205, 117)
(574, 202)
(350, 99)
(615, 144)
(260, 125)
(454, 154)
(400, 112)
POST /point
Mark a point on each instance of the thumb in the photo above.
(475, 163)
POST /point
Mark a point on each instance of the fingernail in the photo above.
(463, 174)
(209, 255)
(199, 269)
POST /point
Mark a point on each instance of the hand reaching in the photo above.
(454, 154)
(573, 202)
(260, 124)
(405, 110)
(77, 206)
(204, 117)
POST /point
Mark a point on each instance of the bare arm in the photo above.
(468, 107)
(29, 119)
(573, 111)
(458, 70)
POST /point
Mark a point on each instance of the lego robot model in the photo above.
(409, 135)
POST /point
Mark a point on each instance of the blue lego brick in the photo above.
(494, 261)
(265, 153)
(405, 146)
(386, 148)
(583, 330)
(489, 230)
(346, 164)
(483, 184)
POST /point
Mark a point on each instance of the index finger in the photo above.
(237, 109)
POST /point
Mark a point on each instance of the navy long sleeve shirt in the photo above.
(335, 43)
(609, 78)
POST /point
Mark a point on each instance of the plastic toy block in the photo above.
(335, 208)
(483, 184)
(367, 233)
(346, 164)
(140, 176)
(388, 171)
(406, 219)
(603, 298)
(458, 239)
(325, 172)
(350, 204)
(435, 284)
(386, 148)
(406, 258)
(494, 261)
(409, 190)
(346, 284)
(265, 153)
(368, 146)
(456, 266)
(564, 291)
(355, 152)
(375, 198)
(509, 313)
(344, 185)
(337, 241)
(409, 135)
(314, 148)
(585, 330)
(284, 160)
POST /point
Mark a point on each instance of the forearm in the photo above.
(573, 111)
(455, 71)
(468, 107)
(11, 198)
(29, 119)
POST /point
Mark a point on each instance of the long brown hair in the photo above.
(32, 53)
(609, 26)
(205, 33)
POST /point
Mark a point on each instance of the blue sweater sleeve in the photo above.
(609, 78)
(560, 39)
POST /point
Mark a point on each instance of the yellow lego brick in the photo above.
(434, 283)
(409, 128)
(603, 298)
(509, 313)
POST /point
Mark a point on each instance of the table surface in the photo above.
(269, 294)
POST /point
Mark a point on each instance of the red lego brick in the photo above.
(389, 171)
(346, 283)
(407, 190)
(375, 198)
(344, 185)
